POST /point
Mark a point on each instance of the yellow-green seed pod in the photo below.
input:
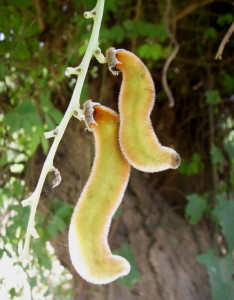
(137, 138)
(100, 198)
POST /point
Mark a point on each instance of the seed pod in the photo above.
(100, 198)
(137, 138)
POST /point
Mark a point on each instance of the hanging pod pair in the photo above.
(119, 143)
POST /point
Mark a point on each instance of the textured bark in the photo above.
(164, 245)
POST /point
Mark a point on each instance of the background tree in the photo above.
(175, 227)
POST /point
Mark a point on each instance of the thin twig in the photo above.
(224, 42)
(170, 57)
(39, 14)
(189, 9)
(74, 105)
(136, 19)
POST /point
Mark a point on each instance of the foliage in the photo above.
(220, 270)
(34, 53)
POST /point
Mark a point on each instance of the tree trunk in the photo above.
(164, 245)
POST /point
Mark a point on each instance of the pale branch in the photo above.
(74, 106)
(52, 133)
(73, 71)
(224, 42)
(171, 56)
(99, 56)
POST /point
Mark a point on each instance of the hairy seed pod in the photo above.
(137, 138)
(100, 198)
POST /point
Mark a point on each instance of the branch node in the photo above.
(73, 71)
(79, 114)
(28, 201)
(34, 233)
(90, 14)
(52, 133)
(99, 56)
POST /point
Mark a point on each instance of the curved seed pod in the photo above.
(100, 198)
(137, 138)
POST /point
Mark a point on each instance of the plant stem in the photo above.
(74, 105)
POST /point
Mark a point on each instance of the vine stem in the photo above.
(74, 105)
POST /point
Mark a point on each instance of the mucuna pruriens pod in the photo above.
(137, 138)
(100, 198)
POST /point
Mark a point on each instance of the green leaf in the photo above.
(55, 225)
(51, 229)
(225, 19)
(224, 211)
(65, 213)
(3, 71)
(49, 122)
(229, 147)
(56, 115)
(227, 81)
(193, 166)
(212, 97)
(134, 274)
(117, 33)
(45, 144)
(210, 33)
(25, 107)
(34, 119)
(45, 101)
(195, 208)
(27, 126)
(45, 261)
(22, 50)
(154, 52)
(216, 155)
(220, 271)
(2, 196)
(13, 120)
(3, 159)
(59, 223)
(35, 140)
(154, 31)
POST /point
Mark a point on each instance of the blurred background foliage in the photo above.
(39, 39)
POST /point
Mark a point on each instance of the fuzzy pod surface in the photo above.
(88, 233)
(137, 138)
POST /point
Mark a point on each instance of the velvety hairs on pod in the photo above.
(100, 198)
(137, 138)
